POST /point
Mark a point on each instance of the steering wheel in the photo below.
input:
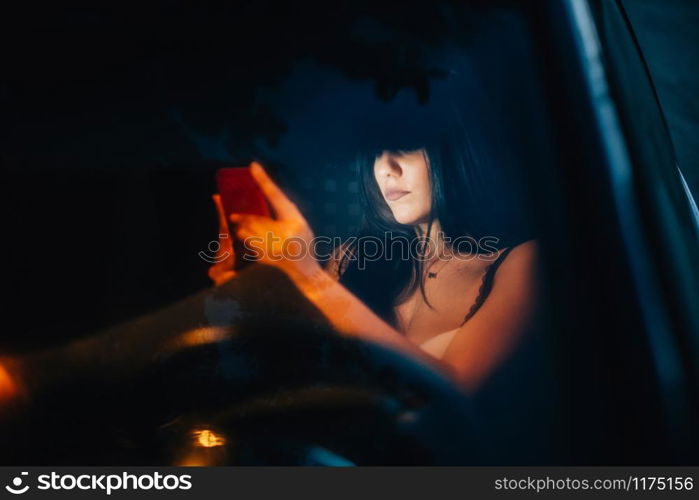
(316, 398)
(242, 375)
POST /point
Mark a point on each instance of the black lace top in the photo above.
(486, 284)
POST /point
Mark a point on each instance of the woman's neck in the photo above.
(438, 249)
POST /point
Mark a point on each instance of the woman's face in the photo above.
(404, 181)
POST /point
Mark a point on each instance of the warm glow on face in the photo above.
(207, 438)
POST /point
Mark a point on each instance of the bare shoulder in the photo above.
(520, 263)
(524, 252)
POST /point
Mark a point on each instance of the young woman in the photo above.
(460, 301)
(448, 304)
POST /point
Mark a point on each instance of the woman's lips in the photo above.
(395, 194)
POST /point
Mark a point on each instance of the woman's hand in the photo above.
(222, 269)
(285, 242)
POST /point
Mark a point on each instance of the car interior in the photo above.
(129, 350)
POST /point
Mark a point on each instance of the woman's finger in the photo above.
(250, 220)
(247, 225)
(282, 205)
(222, 221)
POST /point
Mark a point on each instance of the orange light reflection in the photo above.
(207, 438)
(8, 388)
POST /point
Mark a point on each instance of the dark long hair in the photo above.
(473, 196)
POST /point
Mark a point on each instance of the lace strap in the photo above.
(486, 284)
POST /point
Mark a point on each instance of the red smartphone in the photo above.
(240, 193)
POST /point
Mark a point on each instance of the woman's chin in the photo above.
(407, 219)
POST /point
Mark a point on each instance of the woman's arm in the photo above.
(477, 347)
(287, 243)
(348, 314)
(482, 343)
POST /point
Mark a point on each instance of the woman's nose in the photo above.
(388, 166)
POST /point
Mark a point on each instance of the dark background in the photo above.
(667, 34)
(112, 122)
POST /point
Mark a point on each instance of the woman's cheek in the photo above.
(422, 205)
